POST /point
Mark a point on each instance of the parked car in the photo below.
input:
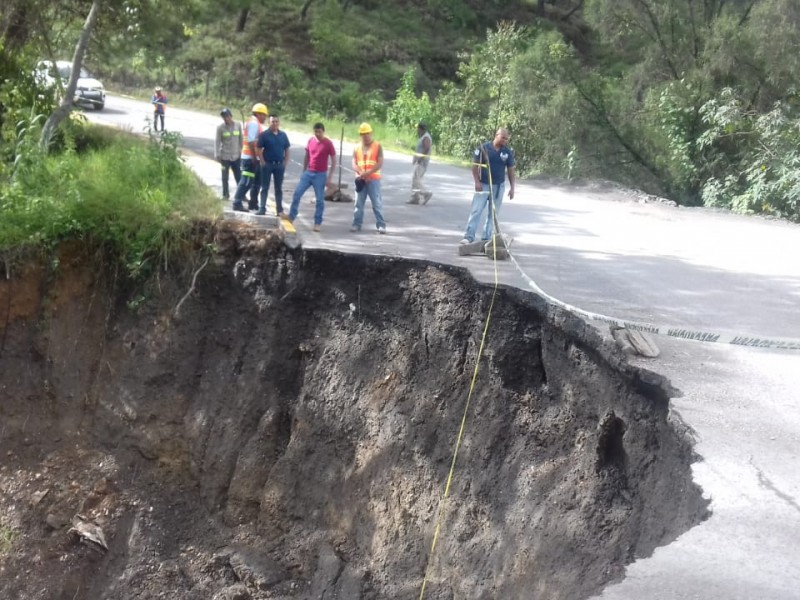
(89, 92)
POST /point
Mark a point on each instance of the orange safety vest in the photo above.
(370, 160)
(245, 146)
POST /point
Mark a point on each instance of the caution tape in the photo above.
(673, 331)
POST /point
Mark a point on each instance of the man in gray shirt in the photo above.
(422, 156)
(228, 149)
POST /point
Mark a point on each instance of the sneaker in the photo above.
(355, 229)
(317, 227)
(427, 198)
(239, 207)
(261, 212)
(283, 215)
(381, 229)
(465, 241)
(413, 201)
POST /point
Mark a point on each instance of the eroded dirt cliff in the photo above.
(288, 435)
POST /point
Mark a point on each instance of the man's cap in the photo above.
(226, 112)
(260, 108)
(157, 89)
(422, 125)
(364, 128)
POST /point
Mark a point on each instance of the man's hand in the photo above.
(511, 193)
(478, 186)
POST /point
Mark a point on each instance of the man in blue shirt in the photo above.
(490, 183)
(273, 143)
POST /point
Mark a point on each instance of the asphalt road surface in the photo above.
(605, 251)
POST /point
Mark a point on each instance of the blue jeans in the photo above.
(250, 180)
(373, 190)
(227, 167)
(315, 179)
(275, 170)
(480, 201)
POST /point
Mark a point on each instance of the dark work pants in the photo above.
(227, 167)
(276, 170)
(249, 181)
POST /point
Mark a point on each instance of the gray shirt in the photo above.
(228, 145)
(420, 151)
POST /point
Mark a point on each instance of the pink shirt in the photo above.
(318, 153)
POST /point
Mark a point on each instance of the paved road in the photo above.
(603, 251)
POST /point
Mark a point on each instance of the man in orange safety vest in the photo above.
(367, 163)
(251, 160)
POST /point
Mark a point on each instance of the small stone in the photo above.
(55, 521)
(37, 497)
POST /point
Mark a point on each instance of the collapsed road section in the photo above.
(288, 431)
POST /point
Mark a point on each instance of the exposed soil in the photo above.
(288, 435)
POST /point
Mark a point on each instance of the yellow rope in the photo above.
(460, 436)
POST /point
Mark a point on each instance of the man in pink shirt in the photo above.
(318, 166)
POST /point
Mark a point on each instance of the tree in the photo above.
(65, 107)
(472, 109)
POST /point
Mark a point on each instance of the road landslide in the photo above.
(288, 435)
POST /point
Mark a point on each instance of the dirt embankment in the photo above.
(288, 435)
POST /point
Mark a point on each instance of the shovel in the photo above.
(338, 195)
(341, 142)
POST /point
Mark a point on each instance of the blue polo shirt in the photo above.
(274, 145)
(499, 161)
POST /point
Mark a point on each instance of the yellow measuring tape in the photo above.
(460, 437)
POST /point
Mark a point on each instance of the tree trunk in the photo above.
(242, 21)
(304, 10)
(16, 28)
(77, 61)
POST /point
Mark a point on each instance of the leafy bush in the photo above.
(469, 112)
(136, 199)
(408, 109)
(762, 152)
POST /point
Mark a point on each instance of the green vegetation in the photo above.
(692, 99)
(135, 199)
(7, 537)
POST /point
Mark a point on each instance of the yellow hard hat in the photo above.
(260, 108)
(364, 128)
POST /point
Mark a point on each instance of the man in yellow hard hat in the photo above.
(251, 161)
(367, 163)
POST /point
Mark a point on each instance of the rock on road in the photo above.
(606, 252)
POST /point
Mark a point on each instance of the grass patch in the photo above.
(7, 537)
(136, 199)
